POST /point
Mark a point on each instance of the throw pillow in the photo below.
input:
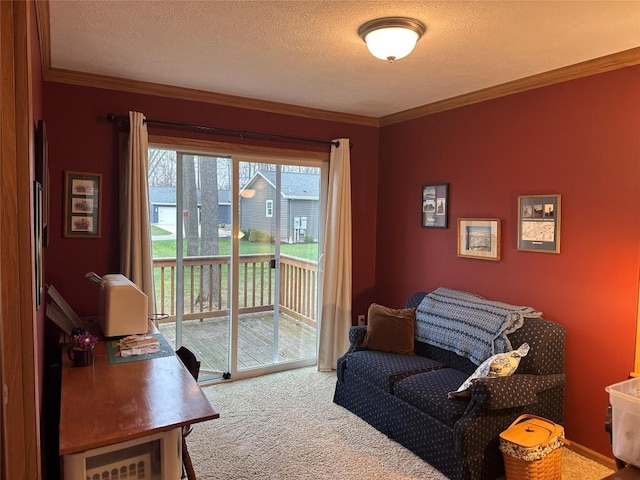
(390, 329)
(499, 365)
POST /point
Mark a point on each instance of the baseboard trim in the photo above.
(592, 455)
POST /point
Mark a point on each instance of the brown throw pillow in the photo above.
(390, 329)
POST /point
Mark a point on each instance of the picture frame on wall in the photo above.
(82, 204)
(539, 223)
(42, 175)
(37, 235)
(479, 238)
(435, 205)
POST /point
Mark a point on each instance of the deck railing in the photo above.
(206, 286)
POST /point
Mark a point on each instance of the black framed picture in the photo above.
(435, 199)
(42, 176)
(37, 234)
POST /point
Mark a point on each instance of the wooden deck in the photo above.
(209, 340)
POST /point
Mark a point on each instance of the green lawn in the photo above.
(309, 251)
(156, 230)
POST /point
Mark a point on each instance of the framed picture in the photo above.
(434, 205)
(82, 204)
(42, 176)
(479, 238)
(539, 223)
(37, 233)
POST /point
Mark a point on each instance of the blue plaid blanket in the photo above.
(468, 324)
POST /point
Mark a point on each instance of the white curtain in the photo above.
(135, 232)
(336, 281)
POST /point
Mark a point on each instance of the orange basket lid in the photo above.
(530, 431)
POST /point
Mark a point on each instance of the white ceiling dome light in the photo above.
(391, 38)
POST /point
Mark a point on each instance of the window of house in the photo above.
(269, 208)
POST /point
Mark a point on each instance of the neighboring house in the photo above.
(162, 205)
(299, 205)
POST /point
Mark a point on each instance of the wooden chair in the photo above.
(193, 365)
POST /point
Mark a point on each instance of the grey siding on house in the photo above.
(253, 210)
(299, 201)
(298, 205)
(303, 209)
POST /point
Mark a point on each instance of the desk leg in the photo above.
(186, 461)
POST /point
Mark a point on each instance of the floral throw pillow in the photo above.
(499, 365)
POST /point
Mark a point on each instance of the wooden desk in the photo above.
(105, 404)
(627, 473)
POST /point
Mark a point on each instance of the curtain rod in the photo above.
(120, 119)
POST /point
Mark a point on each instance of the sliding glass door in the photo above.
(236, 247)
(278, 217)
(190, 212)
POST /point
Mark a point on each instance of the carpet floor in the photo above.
(286, 426)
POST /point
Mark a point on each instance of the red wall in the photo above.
(81, 139)
(580, 139)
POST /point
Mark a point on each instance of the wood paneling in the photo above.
(20, 435)
(44, 33)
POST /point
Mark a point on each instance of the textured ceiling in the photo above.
(308, 53)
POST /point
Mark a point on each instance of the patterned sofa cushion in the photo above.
(546, 339)
(428, 393)
(384, 369)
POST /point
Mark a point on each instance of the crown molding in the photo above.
(604, 64)
(181, 93)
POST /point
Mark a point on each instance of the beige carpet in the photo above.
(286, 426)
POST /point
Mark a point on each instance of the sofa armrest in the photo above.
(356, 337)
(518, 390)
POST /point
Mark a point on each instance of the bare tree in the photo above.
(224, 173)
(210, 219)
(190, 204)
(249, 169)
(162, 167)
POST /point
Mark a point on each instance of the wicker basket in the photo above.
(531, 449)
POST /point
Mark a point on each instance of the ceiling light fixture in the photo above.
(391, 38)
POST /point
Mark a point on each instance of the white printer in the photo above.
(122, 307)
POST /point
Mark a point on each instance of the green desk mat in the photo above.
(112, 349)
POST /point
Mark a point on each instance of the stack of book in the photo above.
(139, 345)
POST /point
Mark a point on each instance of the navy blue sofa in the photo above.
(405, 397)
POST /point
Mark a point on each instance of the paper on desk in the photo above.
(130, 352)
(139, 345)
